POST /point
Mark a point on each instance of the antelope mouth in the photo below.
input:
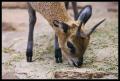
(75, 62)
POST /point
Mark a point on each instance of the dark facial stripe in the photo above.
(72, 48)
(65, 27)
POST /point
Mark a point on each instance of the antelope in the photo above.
(71, 40)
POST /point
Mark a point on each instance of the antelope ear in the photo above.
(85, 14)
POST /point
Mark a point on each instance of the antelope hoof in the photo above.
(60, 60)
(58, 55)
(57, 61)
(29, 59)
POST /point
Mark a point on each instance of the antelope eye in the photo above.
(70, 45)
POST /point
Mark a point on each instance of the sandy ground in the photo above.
(101, 54)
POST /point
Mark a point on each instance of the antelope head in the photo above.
(73, 40)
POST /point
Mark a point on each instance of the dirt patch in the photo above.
(8, 27)
(82, 75)
(10, 75)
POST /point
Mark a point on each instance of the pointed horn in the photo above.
(91, 31)
(79, 27)
(80, 33)
(78, 30)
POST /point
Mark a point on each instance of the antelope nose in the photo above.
(77, 63)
